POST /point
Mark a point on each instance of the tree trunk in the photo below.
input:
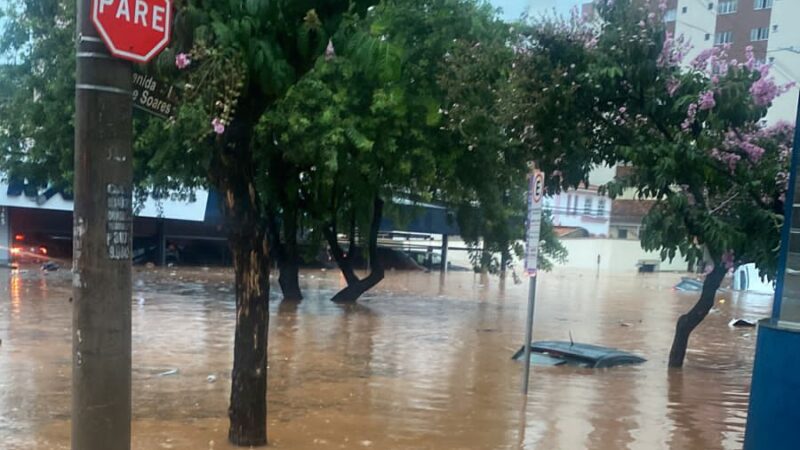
(289, 259)
(289, 280)
(248, 408)
(233, 173)
(689, 321)
(356, 286)
(505, 259)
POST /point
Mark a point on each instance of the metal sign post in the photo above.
(534, 225)
(103, 216)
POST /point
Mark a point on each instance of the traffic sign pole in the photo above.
(526, 371)
(102, 282)
(534, 223)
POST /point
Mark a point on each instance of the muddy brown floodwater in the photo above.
(420, 363)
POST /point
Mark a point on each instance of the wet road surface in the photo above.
(420, 363)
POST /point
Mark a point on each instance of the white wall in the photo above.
(695, 24)
(784, 46)
(167, 209)
(615, 256)
(567, 214)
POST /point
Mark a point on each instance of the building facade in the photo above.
(585, 209)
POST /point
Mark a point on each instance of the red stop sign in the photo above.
(136, 30)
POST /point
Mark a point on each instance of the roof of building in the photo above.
(630, 211)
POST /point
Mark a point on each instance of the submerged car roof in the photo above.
(585, 355)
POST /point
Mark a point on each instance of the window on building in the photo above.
(710, 6)
(774, 28)
(622, 233)
(587, 206)
(670, 15)
(727, 7)
(759, 34)
(725, 37)
(601, 207)
(762, 4)
(685, 9)
(708, 36)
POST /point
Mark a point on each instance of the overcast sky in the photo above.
(512, 9)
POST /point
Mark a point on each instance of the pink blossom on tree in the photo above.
(706, 101)
(673, 84)
(691, 113)
(750, 61)
(330, 52)
(754, 152)
(701, 61)
(182, 60)
(218, 125)
(673, 51)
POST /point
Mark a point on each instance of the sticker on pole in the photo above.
(136, 30)
(534, 222)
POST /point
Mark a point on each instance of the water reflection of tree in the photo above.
(690, 429)
(320, 355)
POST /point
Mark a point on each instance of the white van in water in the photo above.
(746, 278)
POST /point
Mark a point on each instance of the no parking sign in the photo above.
(534, 222)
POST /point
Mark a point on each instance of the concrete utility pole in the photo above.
(101, 323)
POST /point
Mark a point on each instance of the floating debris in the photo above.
(742, 323)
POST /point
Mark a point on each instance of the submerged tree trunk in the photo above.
(232, 171)
(250, 248)
(689, 321)
(289, 280)
(289, 259)
(248, 407)
(355, 285)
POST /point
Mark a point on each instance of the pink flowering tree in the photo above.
(695, 136)
(619, 90)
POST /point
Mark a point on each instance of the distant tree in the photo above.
(490, 150)
(366, 126)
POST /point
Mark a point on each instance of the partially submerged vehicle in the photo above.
(689, 285)
(558, 353)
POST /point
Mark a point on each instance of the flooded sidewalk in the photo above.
(422, 362)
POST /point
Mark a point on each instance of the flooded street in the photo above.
(419, 363)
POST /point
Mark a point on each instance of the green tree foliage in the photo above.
(366, 126)
(37, 101)
(491, 147)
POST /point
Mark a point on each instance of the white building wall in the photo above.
(621, 256)
(697, 22)
(784, 47)
(569, 210)
(163, 208)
